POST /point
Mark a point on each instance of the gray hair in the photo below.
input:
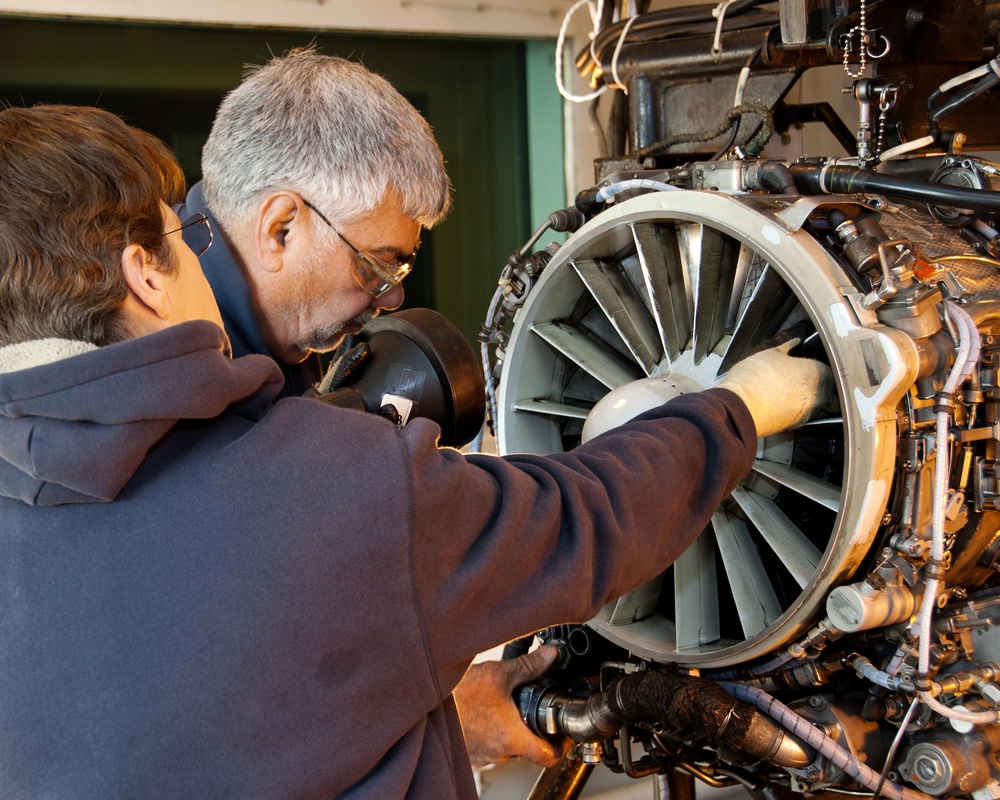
(330, 130)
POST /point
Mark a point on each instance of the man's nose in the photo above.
(390, 301)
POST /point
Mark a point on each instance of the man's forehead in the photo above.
(388, 231)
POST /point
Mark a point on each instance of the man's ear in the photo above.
(276, 228)
(147, 285)
(147, 305)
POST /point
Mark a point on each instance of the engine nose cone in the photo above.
(629, 401)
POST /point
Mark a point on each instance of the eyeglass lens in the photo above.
(197, 233)
(377, 278)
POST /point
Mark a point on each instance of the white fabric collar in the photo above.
(36, 353)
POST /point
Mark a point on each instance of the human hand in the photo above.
(494, 730)
(781, 391)
(347, 357)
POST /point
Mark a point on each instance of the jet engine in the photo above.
(835, 628)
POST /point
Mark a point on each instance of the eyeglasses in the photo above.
(197, 233)
(377, 277)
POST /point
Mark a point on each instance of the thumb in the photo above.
(785, 348)
(530, 666)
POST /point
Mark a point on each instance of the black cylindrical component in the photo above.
(819, 179)
(419, 355)
(772, 176)
(566, 219)
(587, 203)
(517, 647)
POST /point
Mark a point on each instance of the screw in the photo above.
(927, 769)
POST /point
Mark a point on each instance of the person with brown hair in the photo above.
(207, 594)
(86, 280)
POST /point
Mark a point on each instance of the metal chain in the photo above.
(887, 99)
(862, 31)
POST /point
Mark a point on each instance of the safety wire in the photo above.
(897, 740)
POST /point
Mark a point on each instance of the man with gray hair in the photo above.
(318, 177)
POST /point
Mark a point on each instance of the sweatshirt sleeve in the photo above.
(505, 546)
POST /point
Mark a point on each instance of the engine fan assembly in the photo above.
(678, 285)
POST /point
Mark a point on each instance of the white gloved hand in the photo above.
(781, 391)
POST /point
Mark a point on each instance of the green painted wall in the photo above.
(476, 95)
(547, 182)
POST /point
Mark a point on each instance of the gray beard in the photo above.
(323, 340)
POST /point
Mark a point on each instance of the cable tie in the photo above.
(935, 570)
(725, 722)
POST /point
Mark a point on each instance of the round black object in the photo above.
(419, 354)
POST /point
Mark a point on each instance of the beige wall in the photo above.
(514, 18)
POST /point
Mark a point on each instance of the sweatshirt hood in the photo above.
(76, 430)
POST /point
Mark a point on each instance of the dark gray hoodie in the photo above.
(203, 598)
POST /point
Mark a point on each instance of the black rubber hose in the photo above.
(776, 177)
(656, 24)
(517, 647)
(817, 179)
(980, 87)
(693, 704)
